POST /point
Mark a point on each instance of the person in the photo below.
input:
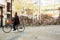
(16, 21)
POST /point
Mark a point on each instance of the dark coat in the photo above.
(16, 20)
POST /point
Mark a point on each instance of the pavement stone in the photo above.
(33, 33)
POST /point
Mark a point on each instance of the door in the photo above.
(1, 16)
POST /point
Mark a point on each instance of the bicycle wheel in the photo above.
(20, 28)
(7, 28)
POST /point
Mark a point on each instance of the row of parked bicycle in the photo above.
(42, 21)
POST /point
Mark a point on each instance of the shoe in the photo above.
(14, 30)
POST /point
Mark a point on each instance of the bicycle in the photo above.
(8, 27)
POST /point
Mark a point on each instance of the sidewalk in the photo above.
(33, 33)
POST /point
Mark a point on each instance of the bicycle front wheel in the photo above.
(7, 28)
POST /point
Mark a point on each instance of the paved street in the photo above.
(33, 33)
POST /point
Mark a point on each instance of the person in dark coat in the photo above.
(16, 21)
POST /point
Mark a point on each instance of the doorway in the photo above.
(1, 15)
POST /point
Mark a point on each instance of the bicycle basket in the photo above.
(8, 21)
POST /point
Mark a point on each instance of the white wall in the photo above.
(2, 2)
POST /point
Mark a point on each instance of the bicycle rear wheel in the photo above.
(7, 28)
(20, 28)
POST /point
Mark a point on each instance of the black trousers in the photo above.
(14, 26)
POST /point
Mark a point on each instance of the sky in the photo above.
(39, 2)
(47, 2)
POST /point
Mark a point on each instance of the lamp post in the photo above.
(59, 10)
(39, 10)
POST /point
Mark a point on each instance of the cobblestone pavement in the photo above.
(33, 33)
